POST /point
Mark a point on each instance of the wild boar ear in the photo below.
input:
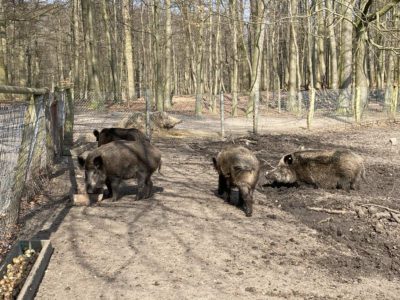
(214, 162)
(288, 159)
(98, 162)
(81, 161)
(96, 134)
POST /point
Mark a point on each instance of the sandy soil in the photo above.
(186, 243)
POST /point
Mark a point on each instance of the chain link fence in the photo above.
(31, 139)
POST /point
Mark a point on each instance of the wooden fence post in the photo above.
(69, 122)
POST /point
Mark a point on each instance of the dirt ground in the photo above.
(186, 243)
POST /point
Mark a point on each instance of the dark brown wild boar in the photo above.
(320, 168)
(118, 160)
(107, 135)
(237, 167)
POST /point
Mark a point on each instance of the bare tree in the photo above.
(128, 53)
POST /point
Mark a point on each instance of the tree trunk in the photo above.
(333, 82)
(168, 58)
(75, 41)
(321, 68)
(217, 68)
(346, 57)
(310, 114)
(110, 52)
(256, 63)
(128, 53)
(291, 101)
(199, 63)
(3, 45)
(235, 57)
(157, 57)
(93, 80)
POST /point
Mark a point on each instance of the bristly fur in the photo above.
(238, 167)
(339, 168)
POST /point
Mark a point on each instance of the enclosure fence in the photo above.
(307, 108)
(33, 135)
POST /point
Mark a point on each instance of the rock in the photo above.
(250, 289)
(378, 227)
(372, 210)
(360, 212)
(393, 141)
(156, 283)
(396, 217)
(239, 273)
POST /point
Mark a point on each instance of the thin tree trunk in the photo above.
(3, 45)
(75, 41)
(217, 71)
(110, 52)
(235, 86)
(257, 55)
(291, 101)
(199, 64)
(332, 47)
(321, 68)
(310, 115)
(157, 57)
(93, 80)
(128, 53)
(346, 57)
(168, 58)
(210, 55)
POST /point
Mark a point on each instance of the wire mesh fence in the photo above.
(30, 140)
(331, 107)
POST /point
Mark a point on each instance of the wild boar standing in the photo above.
(237, 167)
(107, 135)
(118, 160)
(321, 168)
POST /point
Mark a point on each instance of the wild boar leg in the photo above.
(246, 199)
(115, 182)
(141, 185)
(148, 187)
(222, 186)
(109, 192)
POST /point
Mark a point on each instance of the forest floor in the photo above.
(187, 243)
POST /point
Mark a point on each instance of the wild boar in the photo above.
(107, 135)
(237, 167)
(118, 160)
(321, 168)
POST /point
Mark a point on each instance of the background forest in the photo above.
(114, 50)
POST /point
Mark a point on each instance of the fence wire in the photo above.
(11, 130)
(31, 136)
(274, 111)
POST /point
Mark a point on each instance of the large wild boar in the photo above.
(118, 160)
(237, 167)
(107, 135)
(320, 168)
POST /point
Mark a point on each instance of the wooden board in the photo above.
(35, 276)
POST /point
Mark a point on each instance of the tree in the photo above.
(168, 58)
(3, 45)
(128, 53)
(91, 59)
(256, 61)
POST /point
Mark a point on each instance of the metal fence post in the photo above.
(221, 99)
(148, 110)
